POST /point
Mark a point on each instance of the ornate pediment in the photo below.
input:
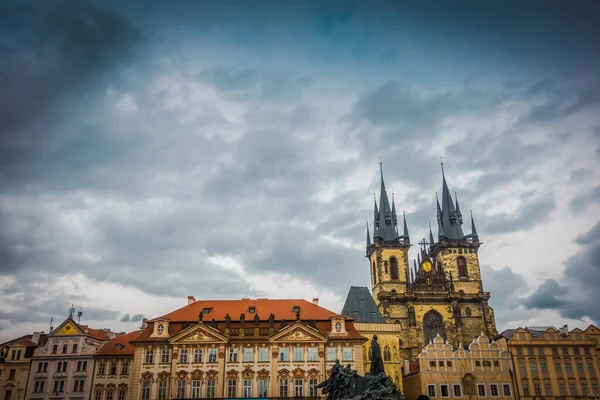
(247, 373)
(198, 334)
(263, 373)
(147, 377)
(211, 374)
(181, 375)
(298, 373)
(67, 328)
(313, 373)
(283, 373)
(197, 374)
(232, 375)
(297, 333)
(163, 376)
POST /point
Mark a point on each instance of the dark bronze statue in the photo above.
(227, 321)
(242, 319)
(313, 324)
(376, 360)
(213, 324)
(283, 324)
(271, 320)
(200, 316)
(298, 315)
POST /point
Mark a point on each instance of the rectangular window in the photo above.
(558, 367)
(584, 388)
(312, 354)
(247, 388)
(586, 351)
(569, 368)
(62, 366)
(579, 366)
(576, 350)
(122, 394)
(262, 388)
(164, 356)
(55, 349)
(448, 364)
(533, 367)
(506, 390)
(457, 390)
(162, 390)
(444, 392)
(110, 395)
(98, 395)
(65, 348)
(212, 355)
(113, 368)
(525, 389)
(481, 390)
(520, 351)
(537, 389)
(248, 354)
(183, 356)
(81, 366)
(298, 387)
(530, 351)
(432, 364)
(211, 384)
(145, 391)
(283, 388)
(312, 386)
(125, 367)
(562, 389)
(74, 349)
(283, 354)
(78, 385)
(298, 354)
(554, 351)
(547, 389)
(195, 389)
(573, 389)
(494, 390)
(149, 357)
(595, 389)
(39, 386)
(565, 351)
(231, 388)
(11, 374)
(431, 390)
(198, 355)
(590, 368)
(541, 351)
(59, 386)
(347, 354)
(263, 354)
(43, 367)
(181, 389)
(233, 354)
(543, 366)
(331, 354)
(522, 368)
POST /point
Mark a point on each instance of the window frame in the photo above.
(459, 387)
(431, 390)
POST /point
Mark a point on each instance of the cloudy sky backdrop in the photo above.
(152, 151)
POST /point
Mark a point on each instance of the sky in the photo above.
(231, 149)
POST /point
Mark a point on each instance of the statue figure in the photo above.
(313, 324)
(200, 316)
(376, 360)
(411, 316)
(242, 319)
(256, 319)
(271, 320)
(298, 315)
(213, 324)
(227, 320)
(456, 314)
(283, 324)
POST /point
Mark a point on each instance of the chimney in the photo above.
(35, 338)
(191, 299)
(316, 301)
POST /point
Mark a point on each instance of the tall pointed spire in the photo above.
(431, 241)
(458, 213)
(368, 236)
(405, 231)
(473, 229)
(440, 220)
(386, 230)
(449, 218)
(394, 215)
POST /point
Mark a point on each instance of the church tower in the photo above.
(442, 292)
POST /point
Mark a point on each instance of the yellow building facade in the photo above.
(442, 292)
(15, 360)
(442, 371)
(241, 348)
(554, 362)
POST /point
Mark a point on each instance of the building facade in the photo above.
(553, 362)
(241, 348)
(361, 307)
(442, 371)
(442, 293)
(63, 366)
(112, 375)
(15, 357)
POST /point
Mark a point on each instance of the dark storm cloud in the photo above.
(527, 216)
(506, 288)
(581, 175)
(576, 295)
(578, 204)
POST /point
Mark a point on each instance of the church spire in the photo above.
(449, 218)
(405, 233)
(386, 228)
(440, 220)
(368, 237)
(431, 241)
(473, 229)
(458, 213)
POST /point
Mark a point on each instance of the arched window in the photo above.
(374, 274)
(461, 262)
(394, 268)
(394, 293)
(387, 355)
(433, 325)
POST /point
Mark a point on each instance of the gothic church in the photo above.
(442, 292)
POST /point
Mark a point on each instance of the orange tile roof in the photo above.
(97, 334)
(120, 346)
(283, 310)
(26, 340)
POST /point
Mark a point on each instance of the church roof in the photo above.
(361, 307)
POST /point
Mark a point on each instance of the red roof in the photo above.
(120, 346)
(283, 310)
(26, 340)
(98, 334)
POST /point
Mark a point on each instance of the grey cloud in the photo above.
(576, 296)
(137, 317)
(526, 217)
(581, 175)
(578, 204)
(125, 318)
(505, 287)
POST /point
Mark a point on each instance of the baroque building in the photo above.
(482, 370)
(554, 362)
(241, 348)
(368, 321)
(63, 366)
(15, 357)
(442, 292)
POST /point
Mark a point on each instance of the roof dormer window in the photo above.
(251, 310)
(296, 309)
(206, 310)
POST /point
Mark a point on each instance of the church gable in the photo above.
(67, 328)
(298, 333)
(199, 333)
